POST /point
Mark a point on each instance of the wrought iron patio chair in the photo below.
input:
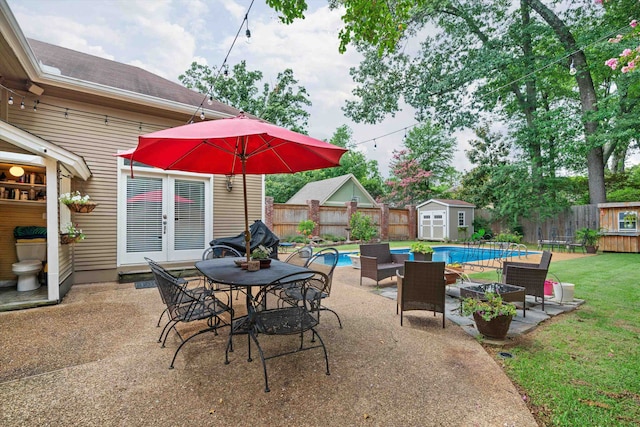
(324, 261)
(183, 282)
(185, 306)
(422, 287)
(221, 251)
(289, 320)
(300, 256)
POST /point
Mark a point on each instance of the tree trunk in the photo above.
(588, 100)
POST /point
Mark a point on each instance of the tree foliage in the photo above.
(282, 103)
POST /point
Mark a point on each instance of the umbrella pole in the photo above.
(247, 233)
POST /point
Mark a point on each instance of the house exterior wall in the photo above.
(84, 133)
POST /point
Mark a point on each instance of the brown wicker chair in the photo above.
(421, 288)
(528, 275)
(377, 262)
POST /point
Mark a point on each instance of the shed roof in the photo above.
(448, 202)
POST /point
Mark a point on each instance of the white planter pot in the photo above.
(563, 292)
(355, 261)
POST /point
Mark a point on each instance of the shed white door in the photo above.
(432, 225)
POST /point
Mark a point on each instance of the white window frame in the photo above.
(463, 222)
(168, 176)
(621, 222)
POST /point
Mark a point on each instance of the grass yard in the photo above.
(583, 368)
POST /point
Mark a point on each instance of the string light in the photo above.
(375, 144)
(224, 67)
(35, 105)
(572, 68)
(106, 120)
(210, 100)
(202, 115)
(22, 104)
(66, 113)
(11, 100)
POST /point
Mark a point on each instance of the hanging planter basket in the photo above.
(82, 207)
(66, 239)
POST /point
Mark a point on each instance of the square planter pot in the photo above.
(355, 261)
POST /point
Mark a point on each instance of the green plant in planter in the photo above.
(489, 309)
(589, 236)
(261, 252)
(421, 248)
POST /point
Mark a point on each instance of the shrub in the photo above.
(508, 237)
(333, 238)
(306, 228)
(362, 227)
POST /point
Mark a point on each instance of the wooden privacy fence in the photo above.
(564, 224)
(392, 223)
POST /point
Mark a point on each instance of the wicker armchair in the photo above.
(528, 275)
(377, 262)
(422, 287)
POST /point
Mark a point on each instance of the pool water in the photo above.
(448, 254)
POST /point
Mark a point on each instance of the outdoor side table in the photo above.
(509, 293)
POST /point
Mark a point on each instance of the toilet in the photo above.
(30, 258)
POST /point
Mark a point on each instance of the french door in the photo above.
(163, 217)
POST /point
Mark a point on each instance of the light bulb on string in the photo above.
(226, 71)
(140, 127)
(210, 100)
(66, 113)
(248, 32)
(11, 100)
(375, 144)
(106, 120)
(35, 105)
(22, 104)
(572, 69)
(202, 115)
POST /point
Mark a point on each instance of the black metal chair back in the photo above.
(290, 320)
(220, 251)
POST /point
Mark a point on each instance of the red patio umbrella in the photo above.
(233, 146)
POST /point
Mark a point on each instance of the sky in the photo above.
(166, 36)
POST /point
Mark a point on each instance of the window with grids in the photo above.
(461, 218)
(628, 221)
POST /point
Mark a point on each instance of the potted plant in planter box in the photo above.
(492, 315)
(590, 237)
(261, 254)
(421, 251)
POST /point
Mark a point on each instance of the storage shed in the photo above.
(619, 223)
(445, 219)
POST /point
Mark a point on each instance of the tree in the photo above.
(281, 104)
(484, 40)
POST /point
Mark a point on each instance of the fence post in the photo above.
(268, 212)
(352, 207)
(412, 218)
(384, 221)
(314, 215)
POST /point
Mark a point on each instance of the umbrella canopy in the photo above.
(238, 145)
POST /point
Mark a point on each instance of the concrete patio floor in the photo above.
(93, 360)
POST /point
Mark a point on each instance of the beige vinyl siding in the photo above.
(87, 135)
(228, 207)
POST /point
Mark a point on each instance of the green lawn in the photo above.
(583, 368)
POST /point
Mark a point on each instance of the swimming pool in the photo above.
(448, 254)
